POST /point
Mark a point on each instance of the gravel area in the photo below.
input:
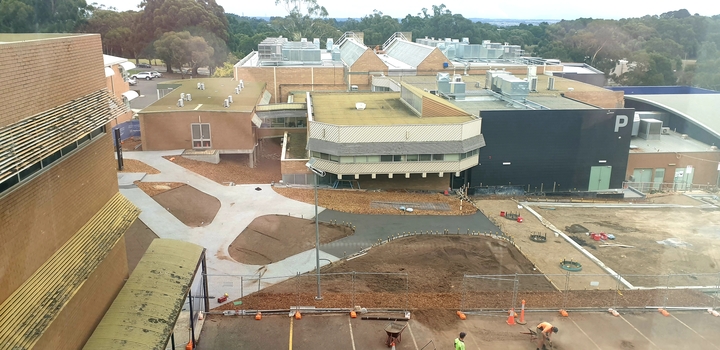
(359, 201)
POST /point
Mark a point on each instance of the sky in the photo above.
(499, 9)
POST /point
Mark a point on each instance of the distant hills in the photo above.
(505, 22)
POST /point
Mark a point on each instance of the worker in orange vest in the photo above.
(544, 330)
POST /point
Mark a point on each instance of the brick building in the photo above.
(116, 75)
(62, 257)
(194, 116)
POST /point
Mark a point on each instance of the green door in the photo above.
(684, 178)
(642, 178)
(659, 178)
(600, 178)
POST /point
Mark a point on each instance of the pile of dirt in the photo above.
(576, 228)
(272, 238)
(132, 144)
(360, 202)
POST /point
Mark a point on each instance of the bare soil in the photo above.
(155, 188)
(136, 166)
(358, 201)
(192, 207)
(132, 144)
(272, 238)
(234, 167)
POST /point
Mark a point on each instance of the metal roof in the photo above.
(408, 52)
(144, 313)
(699, 109)
(351, 50)
(31, 309)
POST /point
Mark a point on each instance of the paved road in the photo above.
(370, 228)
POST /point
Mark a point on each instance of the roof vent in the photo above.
(237, 90)
(182, 96)
(230, 98)
(571, 89)
(360, 106)
(199, 85)
(713, 148)
(188, 97)
(684, 136)
(226, 103)
(180, 103)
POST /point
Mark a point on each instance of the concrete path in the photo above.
(239, 206)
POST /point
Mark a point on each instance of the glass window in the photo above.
(463, 155)
(425, 157)
(373, 159)
(452, 157)
(324, 156)
(360, 159)
(334, 158)
(386, 158)
(51, 158)
(438, 157)
(397, 158)
(67, 149)
(347, 159)
(412, 157)
(316, 154)
(82, 140)
(29, 171)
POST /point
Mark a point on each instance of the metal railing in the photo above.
(653, 187)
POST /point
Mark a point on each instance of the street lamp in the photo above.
(317, 172)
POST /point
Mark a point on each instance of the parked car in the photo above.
(132, 81)
(144, 65)
(156, 74)
(143, 75)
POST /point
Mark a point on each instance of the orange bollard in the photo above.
(461, 315)
(522, 314)
(353, 314)
(189, 346)
(664, 312)
(563, 313)
(258, 316)
(613, 312)
(298, 315)
(511, 317)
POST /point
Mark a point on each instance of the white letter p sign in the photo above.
(620, 121)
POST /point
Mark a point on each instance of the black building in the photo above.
(581, 149)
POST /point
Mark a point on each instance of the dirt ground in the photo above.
(155, 188)
(136, 166)
(199, 211)
(234, 167)
(358, 202)
(272, 238)
(132, 144)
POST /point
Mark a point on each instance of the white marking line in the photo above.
(352, 338)
(583, 332)
(412, 335)
(699, 335)
(637, 330)
(198, 106)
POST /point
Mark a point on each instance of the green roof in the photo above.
(382, 108)
(144, 313)
(210, 99)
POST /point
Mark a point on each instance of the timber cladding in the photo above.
(39, 75)
(39, 216)
(79, 317)
(172, 130)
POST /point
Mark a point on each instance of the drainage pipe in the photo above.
(581, 249)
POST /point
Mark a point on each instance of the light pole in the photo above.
(317, 173)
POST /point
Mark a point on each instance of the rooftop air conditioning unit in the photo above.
(665, 130)
(551, 83)
(532, 84)
(360, 106)
(354, 88)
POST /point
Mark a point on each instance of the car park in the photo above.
(132, 81)
(156, 74)
(143, 75)
(144, 65)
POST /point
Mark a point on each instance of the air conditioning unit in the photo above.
(532, 84)
(665, 130)
(551, 83)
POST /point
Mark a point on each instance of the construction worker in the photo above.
(460, 342)
(544, 330)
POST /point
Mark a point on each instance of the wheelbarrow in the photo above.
(394, 333)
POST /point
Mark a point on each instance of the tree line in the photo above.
(671, 48)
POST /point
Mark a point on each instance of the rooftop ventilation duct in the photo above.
(360, 106)
(226, 103)
(230, 99)
(180, 103)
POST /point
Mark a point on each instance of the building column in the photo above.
(252, 159)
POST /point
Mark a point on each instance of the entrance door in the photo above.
(642, 177)
(684, 178)
(659, 178)
(600, 178)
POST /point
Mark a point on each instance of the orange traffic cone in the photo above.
(461, 315)
(297, 315)
(189, 345)
(664, 312)
(522, 314)
(511, 318)
(258, 316)
(563, 313)
(353, 314)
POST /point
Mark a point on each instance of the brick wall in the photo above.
(171, 130)
(117, 86)
(78, 319)
(705, 165)
(286, 89)
(433, 63)
(41, 215)
(367, 62)
(39, 75)
(277, 77)
(415, 183)
(602, 99)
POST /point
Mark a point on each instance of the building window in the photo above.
(438, 157)
(201, 135)
(425, 157)
(386, 158)
(373, 159)
(452, 157)
(412, 157)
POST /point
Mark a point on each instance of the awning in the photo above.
(130, 95)
(265, 99)
(109, 72)
(256, 120)
(127, 65)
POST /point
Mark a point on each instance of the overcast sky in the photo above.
(517, 9)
